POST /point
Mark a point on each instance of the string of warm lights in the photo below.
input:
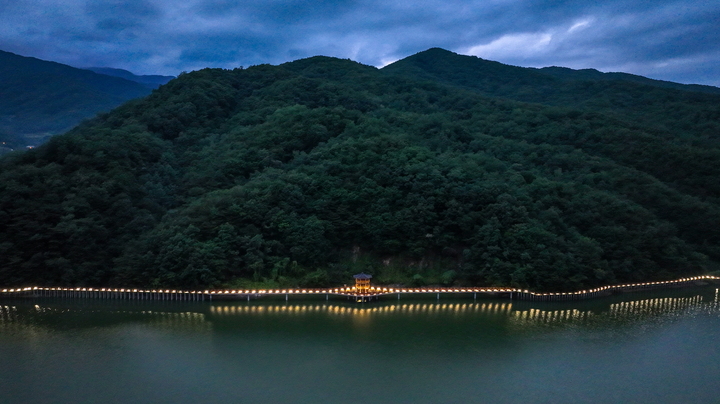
(348, 291)
(518, 313)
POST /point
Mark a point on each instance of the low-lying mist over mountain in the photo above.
(437, 169)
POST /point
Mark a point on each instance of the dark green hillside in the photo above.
(307, 172)
(687, 123)
(691, 112)
(592, 74)
(39, 98)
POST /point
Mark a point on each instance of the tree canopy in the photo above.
(308, 172)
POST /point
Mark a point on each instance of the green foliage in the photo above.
(305, 173)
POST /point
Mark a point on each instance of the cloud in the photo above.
(579, 25)
(670, 39)
(534, 48)
(666, 42)
(514, 45)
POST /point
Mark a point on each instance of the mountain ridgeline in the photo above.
(39, 98)
(151, 81)
(437, 169)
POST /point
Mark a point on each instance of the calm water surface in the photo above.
(652, 347)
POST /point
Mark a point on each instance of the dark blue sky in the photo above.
(669, 40)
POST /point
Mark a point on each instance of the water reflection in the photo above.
(518, 313)
(187, 321)
(52, 316)
(350, 311)
(497, 351)
(629, 310)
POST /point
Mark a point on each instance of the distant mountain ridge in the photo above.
(40, 98)
(475, 72)
(594, 74)
(438, 169)
(658, 104)
(153, 81)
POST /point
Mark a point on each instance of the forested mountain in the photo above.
(651, 103)
(40, 98)
(592, 74)
(438, 169)
(148, 80)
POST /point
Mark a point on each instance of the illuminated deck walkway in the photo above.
(351, 293)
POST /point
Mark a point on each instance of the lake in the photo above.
(649, 347)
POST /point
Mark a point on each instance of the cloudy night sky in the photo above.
(669, 40)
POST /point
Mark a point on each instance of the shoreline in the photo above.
(374, 293)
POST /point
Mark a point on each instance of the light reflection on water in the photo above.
(518, 312)
(11, 318)
(646, 347)
(331, 309)
(523, 313)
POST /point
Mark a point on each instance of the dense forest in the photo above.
(437, 169)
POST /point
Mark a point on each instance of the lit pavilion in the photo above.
(362, 283)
